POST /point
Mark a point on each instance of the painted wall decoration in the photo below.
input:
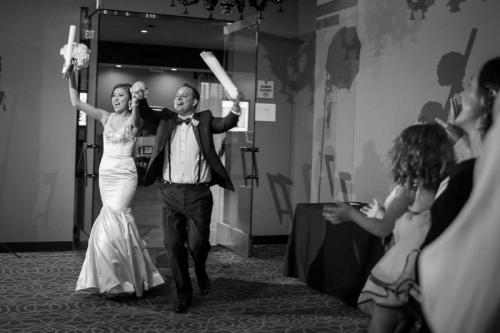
(419, 5)
(338, 49)
(384, 24)
(450, 72)
(455, 5)
(342, 65)
(296, 70)
(3, 97)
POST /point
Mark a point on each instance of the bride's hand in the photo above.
(139, 90)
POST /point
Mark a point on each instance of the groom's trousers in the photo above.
(186, 214)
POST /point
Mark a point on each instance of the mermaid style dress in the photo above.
(117, 261)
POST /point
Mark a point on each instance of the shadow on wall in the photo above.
(280, 190)
(450, 72)
(372, 174)
(292, 61)
(342, 65)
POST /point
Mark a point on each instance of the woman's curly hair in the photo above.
(421, 155)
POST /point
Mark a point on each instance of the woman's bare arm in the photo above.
(96, 113)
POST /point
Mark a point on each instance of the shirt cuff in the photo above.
(236, 110)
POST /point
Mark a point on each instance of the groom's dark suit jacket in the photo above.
(166, 121)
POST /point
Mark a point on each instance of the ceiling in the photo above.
(165, 30)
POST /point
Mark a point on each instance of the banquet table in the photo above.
(334, 259)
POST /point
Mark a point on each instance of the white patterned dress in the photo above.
(391, 278)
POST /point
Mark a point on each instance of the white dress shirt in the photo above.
(187, 165)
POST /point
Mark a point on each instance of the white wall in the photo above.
(37, 131)
(398, 75)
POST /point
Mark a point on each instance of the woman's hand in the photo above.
(336, 213)
(134, 102)
(374, 210)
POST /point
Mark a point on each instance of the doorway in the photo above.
(129, 47)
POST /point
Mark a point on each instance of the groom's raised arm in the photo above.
(221, 125)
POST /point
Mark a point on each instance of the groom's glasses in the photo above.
(182, 96)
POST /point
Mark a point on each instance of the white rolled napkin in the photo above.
(68, 51)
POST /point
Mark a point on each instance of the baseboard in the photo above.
(36, 246)
(271, 239)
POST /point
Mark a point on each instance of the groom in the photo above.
(184, 160)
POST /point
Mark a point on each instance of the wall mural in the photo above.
(342, 65)
(424, 5)
(3, 97)
(454, 5)
(450, 72)
(419, 5)
(296, 71)
(386, 23)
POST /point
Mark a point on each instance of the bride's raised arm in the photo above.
(76, 102)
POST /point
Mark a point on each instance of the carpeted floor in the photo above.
(248, 295)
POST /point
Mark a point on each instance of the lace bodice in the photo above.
(119, 142)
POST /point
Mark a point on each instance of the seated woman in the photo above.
(474, 119)
(421, 156)
(459, 270)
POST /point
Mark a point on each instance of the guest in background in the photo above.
(474, 119)
(459, 270)
(421, 156)
(184, 160)
(117, 262)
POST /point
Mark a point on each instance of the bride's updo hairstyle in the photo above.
(125, 86)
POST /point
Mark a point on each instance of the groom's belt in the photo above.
(163, 181)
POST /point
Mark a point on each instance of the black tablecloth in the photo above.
(334, 259)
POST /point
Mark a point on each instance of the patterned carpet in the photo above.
(248, 295)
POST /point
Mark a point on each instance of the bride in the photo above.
(117, 261)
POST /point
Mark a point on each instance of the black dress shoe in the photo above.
(182, 306)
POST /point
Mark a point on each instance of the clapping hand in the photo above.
(374, 210)
(455, 108)
(336, 213)
(454, 132)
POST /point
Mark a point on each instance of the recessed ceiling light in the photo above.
(144, 31)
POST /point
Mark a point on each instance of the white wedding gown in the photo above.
(117, 261)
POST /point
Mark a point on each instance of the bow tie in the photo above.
(186, 121)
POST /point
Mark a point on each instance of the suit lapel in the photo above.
(196, 129)
(167, 133)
